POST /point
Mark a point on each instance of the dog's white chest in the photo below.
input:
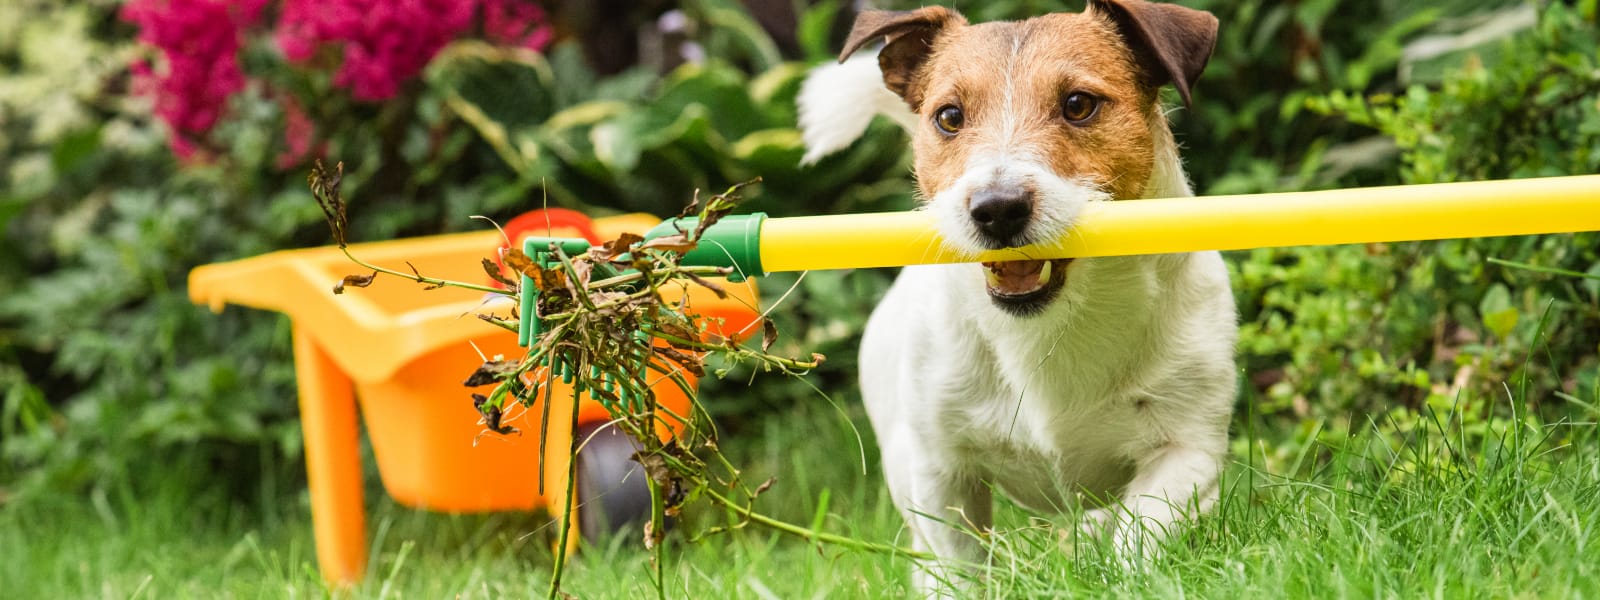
(1046, 445)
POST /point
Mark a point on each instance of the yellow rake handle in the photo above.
(1349, 216)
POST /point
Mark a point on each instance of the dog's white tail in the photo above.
(838, 101)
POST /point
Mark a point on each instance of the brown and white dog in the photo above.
(1106, 380)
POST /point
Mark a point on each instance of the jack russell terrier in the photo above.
(1106, 380)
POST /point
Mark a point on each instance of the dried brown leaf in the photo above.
(676, 242)
(606, 297)
(497, 274)
(769, 334)
(690, 362)
(583, 270)
(491, 372)
(490, 412)
(656, 468)
(544, 279)
(720, 205)
(325, 189)
(609, 251)
(675, 326)
(517, 260)
(359, 281)
(766, 485)
(693, 209)
(708, 284)
(491, 415)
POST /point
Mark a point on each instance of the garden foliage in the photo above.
(1383, 328)
(124, 167)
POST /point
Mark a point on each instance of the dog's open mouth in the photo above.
(1024, 287)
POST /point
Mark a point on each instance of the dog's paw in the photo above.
(1132, 543)
(1135, 545)
(1093, 528)
(1097, 524)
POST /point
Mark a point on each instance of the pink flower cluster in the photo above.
(382, 44)
(516, 23)
(299, 131)
(387, 42)
(199, 40)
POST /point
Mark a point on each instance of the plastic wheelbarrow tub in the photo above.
(402, 352)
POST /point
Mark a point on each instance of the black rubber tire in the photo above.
(612, 492)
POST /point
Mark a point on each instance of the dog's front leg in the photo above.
(947, 510)
(1172, 483)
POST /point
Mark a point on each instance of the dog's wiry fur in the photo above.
(1116, 392)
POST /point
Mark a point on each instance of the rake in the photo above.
(753, 245)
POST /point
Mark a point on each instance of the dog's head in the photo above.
(1021, 123)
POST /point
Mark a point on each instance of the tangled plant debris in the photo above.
(606, 329)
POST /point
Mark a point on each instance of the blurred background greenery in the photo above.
(108, 372)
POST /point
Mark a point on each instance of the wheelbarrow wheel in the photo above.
(612, 493)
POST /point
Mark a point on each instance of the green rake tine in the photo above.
(642, 371)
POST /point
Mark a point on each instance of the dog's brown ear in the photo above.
(1174, 42)
(910, 33)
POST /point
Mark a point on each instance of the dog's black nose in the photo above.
(1001, 213)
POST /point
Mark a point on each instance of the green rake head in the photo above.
(733, 242)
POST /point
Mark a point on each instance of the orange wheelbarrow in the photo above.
(402, 353)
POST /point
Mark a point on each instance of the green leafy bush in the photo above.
(1386, 327)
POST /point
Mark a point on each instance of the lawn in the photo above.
(1374, 509)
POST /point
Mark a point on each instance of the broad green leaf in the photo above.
(503, 93)
(815, 31)
(721, 90)
(1499, 316)
(769, 150)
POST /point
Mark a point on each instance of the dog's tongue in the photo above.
(1016, 277)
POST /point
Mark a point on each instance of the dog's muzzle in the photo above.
(1002, 214)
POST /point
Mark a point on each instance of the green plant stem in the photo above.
(787, 363)
(567, 518)
(812, 534)
(417, 277)
(1539, 269)
(510, 326)
(658, 524)
(636, 275)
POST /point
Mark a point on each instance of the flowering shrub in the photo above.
(375, 45)
(98, 229)
(199, 39)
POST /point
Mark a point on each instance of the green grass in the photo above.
(1386, 507)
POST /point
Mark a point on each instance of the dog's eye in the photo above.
(1078, 107)
(948, 119)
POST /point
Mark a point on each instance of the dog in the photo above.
(1107, 383)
